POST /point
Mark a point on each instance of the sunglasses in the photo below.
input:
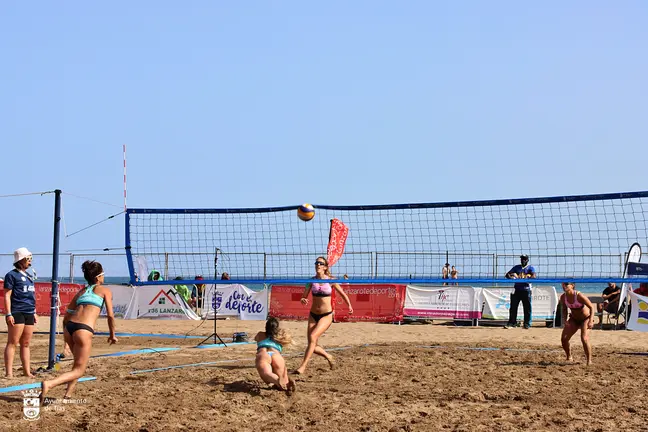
(320, 263)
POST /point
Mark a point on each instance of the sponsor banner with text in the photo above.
(235, 300)
(443, 302)
(638, 319)
(497, 302)
(43, 294)
(159, 302)
(371, 303)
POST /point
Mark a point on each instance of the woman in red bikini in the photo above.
(321, 312)
(581, 317)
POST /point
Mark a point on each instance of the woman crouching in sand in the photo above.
(579, 318)
(269, 362)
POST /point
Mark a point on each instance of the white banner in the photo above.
(626, 288)
(443, 302)
(638, 320)
(235, 300)
(123, 296)
(544, 301)
(159, 302)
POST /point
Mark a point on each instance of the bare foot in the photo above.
(331, 362)
(589, 363)
(44, 389)
(292, 388)
(9, 376)
(28, 374)
(283, 382)
(297, 372)
(570, 359)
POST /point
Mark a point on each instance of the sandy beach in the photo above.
(415, 377)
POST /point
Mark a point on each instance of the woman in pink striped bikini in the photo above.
(581, 317)
(321, 312)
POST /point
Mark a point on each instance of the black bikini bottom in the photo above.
(71, 327)
(318, 317)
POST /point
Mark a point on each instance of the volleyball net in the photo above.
(584, 238)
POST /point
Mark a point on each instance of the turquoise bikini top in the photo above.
(90, 298)
(269, 343)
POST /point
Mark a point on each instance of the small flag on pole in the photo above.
(337, 239)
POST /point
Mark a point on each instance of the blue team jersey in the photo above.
(524, 270)
(23, 293)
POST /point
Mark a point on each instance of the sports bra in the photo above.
(269, 343)
(576, 304)
(90, 298)
(321, 289)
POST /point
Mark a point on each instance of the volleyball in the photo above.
(305, 212)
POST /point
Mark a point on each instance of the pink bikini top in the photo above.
(576, 304)
(321, 289)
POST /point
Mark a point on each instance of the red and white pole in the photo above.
(124, 177)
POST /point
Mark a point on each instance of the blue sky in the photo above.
(254, 104)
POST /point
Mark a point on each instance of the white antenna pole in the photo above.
(124, 177)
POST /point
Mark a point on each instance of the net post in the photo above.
(71, 268)
(55, 284)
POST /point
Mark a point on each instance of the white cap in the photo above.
(21, 253)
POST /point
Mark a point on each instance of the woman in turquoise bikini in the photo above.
(79, 322)
(269, 362)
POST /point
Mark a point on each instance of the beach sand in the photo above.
(416, 377)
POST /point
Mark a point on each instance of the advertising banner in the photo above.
(497, 302)
(443, 302)
(235, 300)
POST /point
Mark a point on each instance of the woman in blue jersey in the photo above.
(269, 362)
(20, 303)
(79, 322)
(321, 312)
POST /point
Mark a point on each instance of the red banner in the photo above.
(285, 302)
(371, 303)
(44, 294)
(337, 239)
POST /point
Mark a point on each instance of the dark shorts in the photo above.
(23, 318)
(612, 307)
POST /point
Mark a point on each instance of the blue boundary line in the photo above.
(36, 385)
(138, 351)
(221, 345)
(154, 335)
(143, 371)
(167, 349)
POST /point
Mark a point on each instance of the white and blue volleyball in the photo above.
(305, 212)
